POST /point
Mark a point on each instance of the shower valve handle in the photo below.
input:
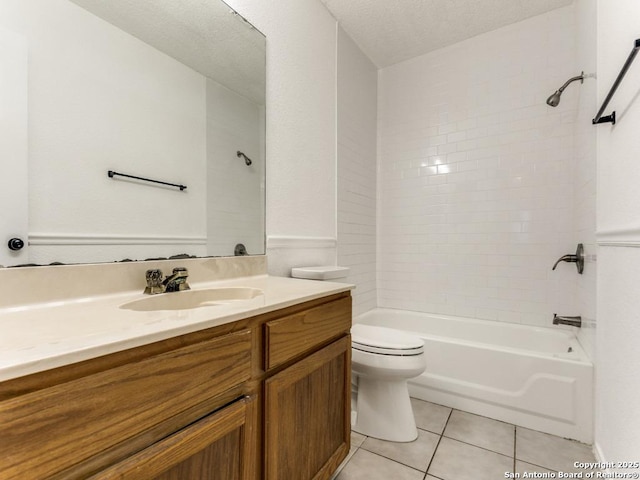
(577, 258)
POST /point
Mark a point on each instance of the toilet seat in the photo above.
(385, 341)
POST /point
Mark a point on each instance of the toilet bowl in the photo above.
(382, 360)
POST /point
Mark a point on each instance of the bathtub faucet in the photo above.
(577, 258)
(573, 321)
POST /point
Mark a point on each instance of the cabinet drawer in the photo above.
(218, 446)
(74, 421)
(293, 335)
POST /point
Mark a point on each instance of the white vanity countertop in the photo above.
(39, 337)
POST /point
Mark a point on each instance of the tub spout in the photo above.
(572, 321)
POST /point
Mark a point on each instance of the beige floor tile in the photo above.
(481, 431)
(429, 416)
(522, 467)
(549, 451)
(365, 465)
(458, 461)
(416, 454)
(357, 439)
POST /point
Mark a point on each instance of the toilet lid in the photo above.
(385, 340)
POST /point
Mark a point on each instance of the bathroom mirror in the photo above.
(165, 90)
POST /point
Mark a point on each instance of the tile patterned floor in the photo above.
(456, 445)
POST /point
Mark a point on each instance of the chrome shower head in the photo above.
(554, 99)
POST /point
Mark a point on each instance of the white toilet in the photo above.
(382, 360)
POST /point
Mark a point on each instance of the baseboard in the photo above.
(597, 452)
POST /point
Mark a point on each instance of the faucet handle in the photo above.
(177, 282)
(154, 281)
(577, 258)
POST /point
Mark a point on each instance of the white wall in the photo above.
(301, 130)
(235, 204)
(476, 175)
(618, 335)
(14, 144)
(357, 113)
(126, 107)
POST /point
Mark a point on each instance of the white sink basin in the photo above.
(196, 298)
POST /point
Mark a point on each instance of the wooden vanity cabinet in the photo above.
(264, 397)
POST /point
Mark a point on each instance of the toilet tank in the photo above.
(324, 272)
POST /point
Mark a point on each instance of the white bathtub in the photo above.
(535, 377)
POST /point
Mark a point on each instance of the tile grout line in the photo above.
(393, 460)
(438, 444)
(476, 446)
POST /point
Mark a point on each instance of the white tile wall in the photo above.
(585, 173)
(356, 216)
(476, 175)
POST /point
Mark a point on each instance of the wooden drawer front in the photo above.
(214, 447)
(71, 422)
(290, 336)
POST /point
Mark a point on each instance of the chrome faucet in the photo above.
(572, 321)
(175, 282)
(577, 258)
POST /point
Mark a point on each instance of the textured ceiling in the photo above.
(391, 31)
(202, 34)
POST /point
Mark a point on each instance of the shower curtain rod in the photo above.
(612, 118)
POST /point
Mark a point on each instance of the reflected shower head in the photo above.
(247, 160)
(554, 99)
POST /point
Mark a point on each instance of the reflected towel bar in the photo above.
(612, 118)
(112, 174)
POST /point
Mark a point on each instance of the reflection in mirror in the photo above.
(160, 89)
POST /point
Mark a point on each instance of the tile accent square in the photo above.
(458, 461)
(482, 432)
(416, 454)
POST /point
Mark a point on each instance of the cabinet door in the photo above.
(307, 411)
(221, 446)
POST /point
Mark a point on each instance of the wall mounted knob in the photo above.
(15, 244)
(577, 258)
